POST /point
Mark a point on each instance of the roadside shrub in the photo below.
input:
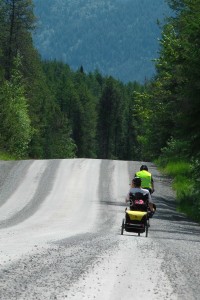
(186, 183)
(175, 148)
(178, 168)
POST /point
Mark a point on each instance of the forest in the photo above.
(48, 110)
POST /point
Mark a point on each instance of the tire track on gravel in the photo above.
(42, 191)
(10, 179)
(50, 273)
(105, 191)
(51, 270)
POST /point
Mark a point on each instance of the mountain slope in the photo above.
(117, 37)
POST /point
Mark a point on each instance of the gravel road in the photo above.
(60, 235)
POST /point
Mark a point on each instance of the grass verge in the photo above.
(6, 156)
(188, 201)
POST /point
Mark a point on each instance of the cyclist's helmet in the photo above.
(143, 167)
(137, 181)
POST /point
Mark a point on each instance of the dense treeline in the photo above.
(49, 111)
(99, 111)
(171, 100)
(27, 108)
(168, 111)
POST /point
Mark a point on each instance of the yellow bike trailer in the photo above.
(135, 221)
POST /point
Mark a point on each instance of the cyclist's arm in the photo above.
(152, 184)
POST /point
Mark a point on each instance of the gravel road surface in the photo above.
(60, 223)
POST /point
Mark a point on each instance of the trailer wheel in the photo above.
(147, 227)
(122, 228)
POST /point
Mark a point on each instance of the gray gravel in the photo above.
(64, 241)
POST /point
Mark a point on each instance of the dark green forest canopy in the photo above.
(119, 38)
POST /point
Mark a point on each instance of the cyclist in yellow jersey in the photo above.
(146, 177)
(147, 183)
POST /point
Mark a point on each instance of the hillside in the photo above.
(118, 37)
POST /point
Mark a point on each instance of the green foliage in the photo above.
(171, 100)
(85, 100)
(185, 185)
(184, 70)
(58, 137)
(173, 149)
(49, 111)
(6, 156)
(87, 126)
(18, 21)
(111, 122)
(167, 113)
(178, 168)
(77, 102)
(15, 132)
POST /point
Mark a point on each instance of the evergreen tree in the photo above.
(86, 126)
(15, 130)
(111, 121)
(77, 103)
(133, 124)
(2, 40)
(59, 143)
(18, 24)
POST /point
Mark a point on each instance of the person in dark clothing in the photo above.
(136, 192)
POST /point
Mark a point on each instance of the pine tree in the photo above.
(15, 130)
(18, 24)
(111, 121)
(86, 126)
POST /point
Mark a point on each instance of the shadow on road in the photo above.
(113, 203)
(176, 223)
